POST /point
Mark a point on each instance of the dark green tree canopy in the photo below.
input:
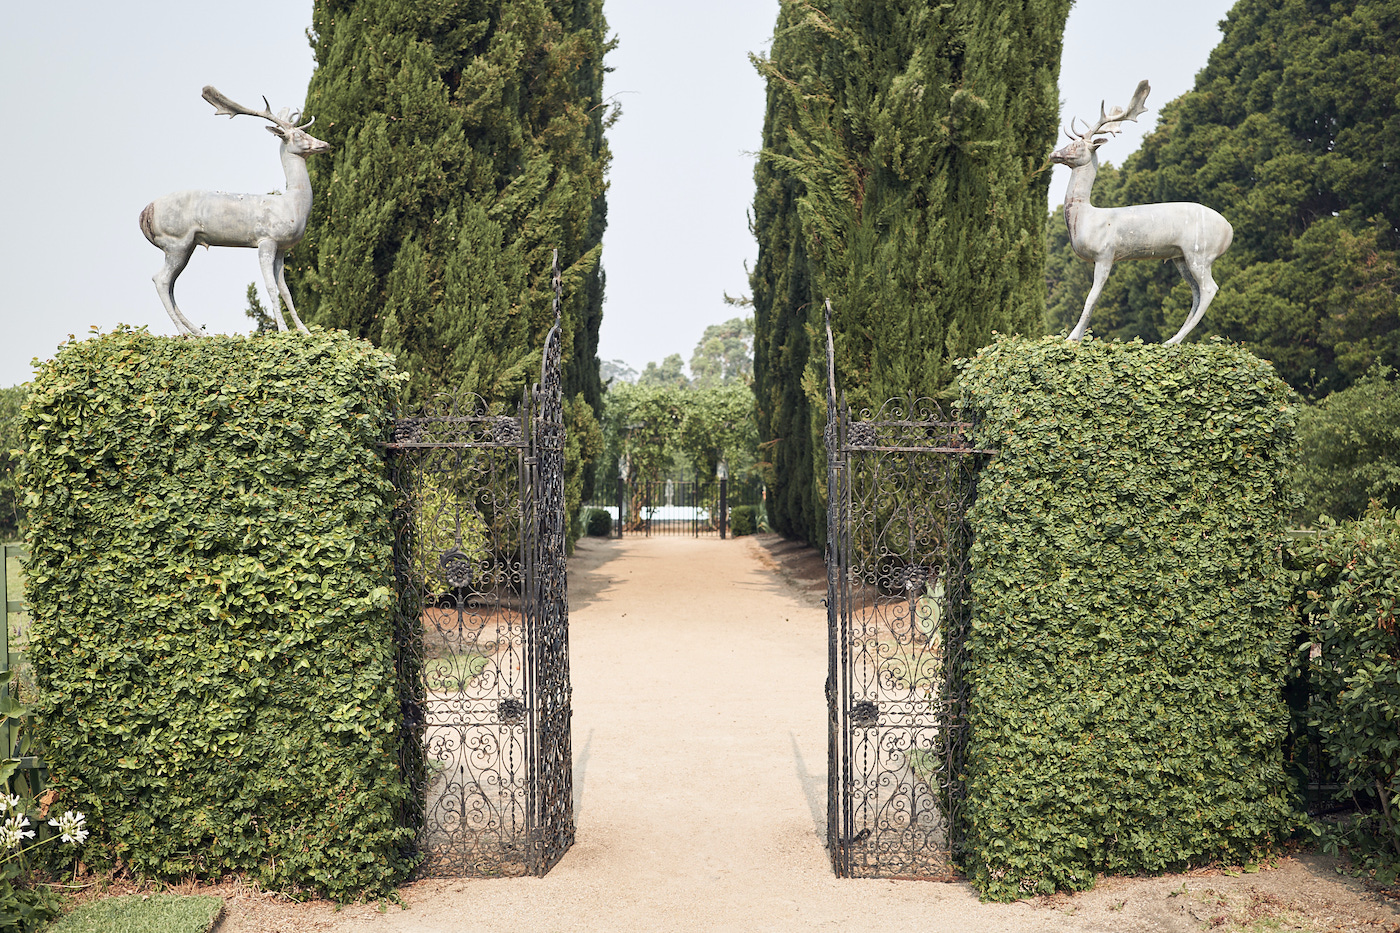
(469, 144)
(901, 179)
(1293, 133)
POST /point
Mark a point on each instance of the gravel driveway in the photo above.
(700, 782)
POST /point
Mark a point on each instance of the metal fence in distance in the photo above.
(677, 507)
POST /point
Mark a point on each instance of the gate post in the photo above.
(723, 508)
(621, 498)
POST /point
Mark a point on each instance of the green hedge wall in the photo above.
(211, 584)
(1350, 598)
(1130, 632)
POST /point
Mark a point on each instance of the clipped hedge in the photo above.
(211, 585)
(599, 523)
(1130, 632)
(1350, 582)
(743, 520)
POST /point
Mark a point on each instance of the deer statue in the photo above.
(1192, 236)
(272, 224)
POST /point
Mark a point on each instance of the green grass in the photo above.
(142, 913)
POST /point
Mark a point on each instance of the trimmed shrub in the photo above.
(210, 578)
(1130, 633)
(599, 523)
(1350, 585)
(743, 520)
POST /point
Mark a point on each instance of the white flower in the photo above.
(8, 802)
(14, 831)
(70, 825)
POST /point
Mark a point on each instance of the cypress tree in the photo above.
(901, 178)
(469, 144)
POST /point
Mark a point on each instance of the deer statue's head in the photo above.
(1080, 151)
(284, 126)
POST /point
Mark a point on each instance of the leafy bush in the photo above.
(1351, 586)
(1350, 449)
(210, 579)
(599, 523)
(25, 906)
(743, 520)
(1129, 635)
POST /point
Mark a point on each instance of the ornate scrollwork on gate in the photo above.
(900, 482)
(483, 629)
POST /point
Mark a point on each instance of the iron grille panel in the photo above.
(482, 627)
(900, 483)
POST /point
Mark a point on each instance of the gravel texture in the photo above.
(700, 785)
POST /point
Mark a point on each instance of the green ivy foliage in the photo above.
(1350, 449)
(211, 585)
(1130, 633)
(1350, 581)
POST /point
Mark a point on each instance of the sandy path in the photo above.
(699, 761)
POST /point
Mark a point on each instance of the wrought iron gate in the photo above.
(483, 630)
(900, 482)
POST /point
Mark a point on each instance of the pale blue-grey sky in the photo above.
(105, 114)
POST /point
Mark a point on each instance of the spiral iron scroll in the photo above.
(482, 625)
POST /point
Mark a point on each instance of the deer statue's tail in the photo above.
(147, 213)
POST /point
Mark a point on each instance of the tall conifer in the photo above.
(901, 179)
(469, 144)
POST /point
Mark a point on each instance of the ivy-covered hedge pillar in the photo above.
(1130, 632)
(210, 579)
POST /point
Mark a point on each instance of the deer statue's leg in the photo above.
(1184, 270)
(267, 258)
(1203, 291)
(177, 256)
(277, 267)
(1101, 270)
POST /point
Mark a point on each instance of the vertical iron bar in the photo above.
(5, 550)
(723, 508)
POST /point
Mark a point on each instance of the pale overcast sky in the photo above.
(104, 114)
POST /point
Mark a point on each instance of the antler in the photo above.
(227, 108)
(1110, 122)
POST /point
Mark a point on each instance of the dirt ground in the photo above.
(700, 780)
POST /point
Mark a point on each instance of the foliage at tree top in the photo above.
(661, 428)
(1293, 133)
(724, 355)
(469, 144)
(670, 374)
(901, 178)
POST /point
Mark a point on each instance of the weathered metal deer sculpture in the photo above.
(1191, 235)
(272, 224)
